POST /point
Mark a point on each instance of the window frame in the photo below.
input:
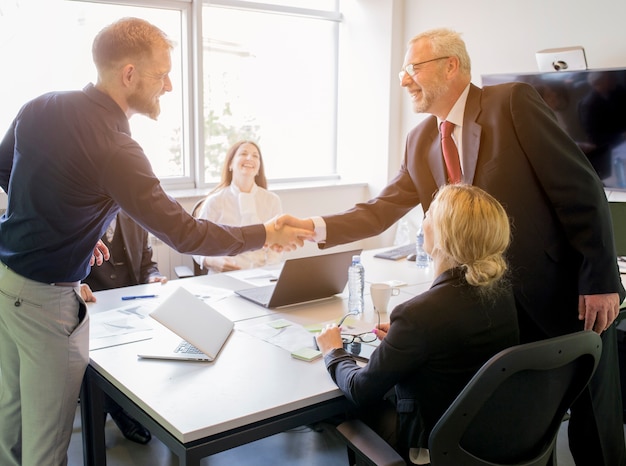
(192, 84)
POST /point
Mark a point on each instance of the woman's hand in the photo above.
(381, 330)
(158, 279)
(221, 264)
(329, 339)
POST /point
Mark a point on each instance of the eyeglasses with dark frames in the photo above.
(366, 337)
(413, 68)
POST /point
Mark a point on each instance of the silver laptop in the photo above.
(304, 279)
(203, 329)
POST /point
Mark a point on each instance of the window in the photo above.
(267, 71)
(58, 57)
(270, 77)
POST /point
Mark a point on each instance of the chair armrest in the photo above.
(366, 443)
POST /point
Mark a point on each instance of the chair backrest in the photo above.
(197, 271)
(511, 410)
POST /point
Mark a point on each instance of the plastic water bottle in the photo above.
(402, 235)
(422, 259)
(356, 283)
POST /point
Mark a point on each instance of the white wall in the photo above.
(502, 36)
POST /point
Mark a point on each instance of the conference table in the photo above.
(253, 389)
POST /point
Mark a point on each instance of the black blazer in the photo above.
(514, 149)
(138, 264)
(436, 343)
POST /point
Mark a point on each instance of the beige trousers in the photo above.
(44, 350)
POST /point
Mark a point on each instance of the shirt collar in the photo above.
(458, 109)
(235, 189)
(109, 104)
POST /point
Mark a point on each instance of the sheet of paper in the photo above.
(125, 324)
(284, 334)
(207, 293)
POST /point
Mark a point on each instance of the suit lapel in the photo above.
(471, 134)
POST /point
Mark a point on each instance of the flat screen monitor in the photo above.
(590, 106)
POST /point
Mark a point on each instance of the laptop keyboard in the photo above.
(260, 294)
(399, 252)
(187, 348)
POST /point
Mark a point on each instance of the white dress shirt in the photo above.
(230, 206)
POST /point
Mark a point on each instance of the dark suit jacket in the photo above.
(514, 149)
(436, 343)
(137, 259)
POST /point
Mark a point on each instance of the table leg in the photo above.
(93, 418)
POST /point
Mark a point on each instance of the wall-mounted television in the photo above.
(590, 106)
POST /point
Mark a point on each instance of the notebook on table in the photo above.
(304, 279)
(203, 329)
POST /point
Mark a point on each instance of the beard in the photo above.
(430, 96)
(144, 104)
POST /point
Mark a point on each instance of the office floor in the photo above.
(298, 447)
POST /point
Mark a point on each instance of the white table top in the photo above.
(251, 379)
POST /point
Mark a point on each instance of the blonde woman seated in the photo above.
(436, 341)
(241, 198)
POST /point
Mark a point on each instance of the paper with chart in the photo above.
(118, 326)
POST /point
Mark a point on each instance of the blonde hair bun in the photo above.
(471, 229)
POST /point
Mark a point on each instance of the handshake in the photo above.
(287, 233)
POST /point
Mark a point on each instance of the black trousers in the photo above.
(596, 426)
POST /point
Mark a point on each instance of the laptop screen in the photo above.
(305, 279)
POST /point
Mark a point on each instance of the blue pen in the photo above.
(143, 296)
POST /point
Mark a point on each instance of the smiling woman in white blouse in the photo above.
(241, 198)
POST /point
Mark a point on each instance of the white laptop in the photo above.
(203, 329)
(304, 279)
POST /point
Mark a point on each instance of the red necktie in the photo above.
(450, 153)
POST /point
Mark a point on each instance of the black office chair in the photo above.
(509, 412)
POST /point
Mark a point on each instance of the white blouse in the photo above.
(230, 206)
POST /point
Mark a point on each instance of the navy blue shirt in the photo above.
(68, 164)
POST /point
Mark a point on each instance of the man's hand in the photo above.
(286, 219)
(100, 254)
(286, 237)
(598, 310)
(86, 293)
